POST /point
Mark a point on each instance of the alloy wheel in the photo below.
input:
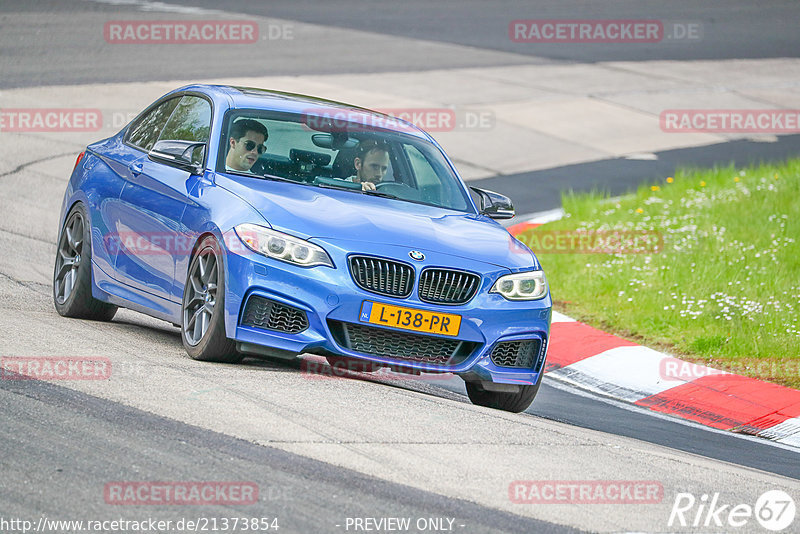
(69, 257)
(202, 297)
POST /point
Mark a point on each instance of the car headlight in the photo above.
(282, 246)
(530, 285)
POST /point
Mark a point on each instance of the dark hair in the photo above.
(240, 128)
(367, 146)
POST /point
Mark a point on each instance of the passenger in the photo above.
(245, 144)
(371, 163)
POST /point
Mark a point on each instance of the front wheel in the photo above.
(72, 273)
(203, 307)
(510, 402)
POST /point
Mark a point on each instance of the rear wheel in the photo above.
(510, 402)
(72, 273)
(203, 307)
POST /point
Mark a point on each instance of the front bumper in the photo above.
(332, 304)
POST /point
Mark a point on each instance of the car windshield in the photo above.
(320, 151)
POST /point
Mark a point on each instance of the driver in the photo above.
(371, 163)
(246, 143)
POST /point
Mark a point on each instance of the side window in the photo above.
(190, 121)
(433, 189)
(423, 172)
(144, 132)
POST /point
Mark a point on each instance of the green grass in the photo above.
(725, 288)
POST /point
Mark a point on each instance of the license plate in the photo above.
(446, 324)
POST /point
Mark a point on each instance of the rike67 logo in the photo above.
(774, 510)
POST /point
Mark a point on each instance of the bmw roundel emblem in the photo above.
(416, 255)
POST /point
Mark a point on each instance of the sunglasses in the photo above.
(250, 145)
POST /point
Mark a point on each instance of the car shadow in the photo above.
(315, 367)
(309, 366)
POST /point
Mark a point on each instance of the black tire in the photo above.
(72, 272)
(204, 301)
(509, 402)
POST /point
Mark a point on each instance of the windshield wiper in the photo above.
(356, 189)
(261, 176)
(337, 187)
(276, 178)
(381, 194)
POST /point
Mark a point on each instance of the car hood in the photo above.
(314, 212)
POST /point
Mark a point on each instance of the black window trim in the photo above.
(165, 98)
(147, 111)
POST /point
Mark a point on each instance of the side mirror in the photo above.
(178, 154)
(494, 205)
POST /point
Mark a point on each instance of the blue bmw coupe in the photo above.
(273, 224)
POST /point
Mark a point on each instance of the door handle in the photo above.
(136, 168)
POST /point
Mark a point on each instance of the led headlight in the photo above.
(530, 285)
(282, 246)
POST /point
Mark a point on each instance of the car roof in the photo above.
(256, 98)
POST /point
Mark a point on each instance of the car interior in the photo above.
(299, 153)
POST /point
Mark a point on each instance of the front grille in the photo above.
(385, 277)
(403, 346)
(523, 354)
(269, 314)
(446, 286)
